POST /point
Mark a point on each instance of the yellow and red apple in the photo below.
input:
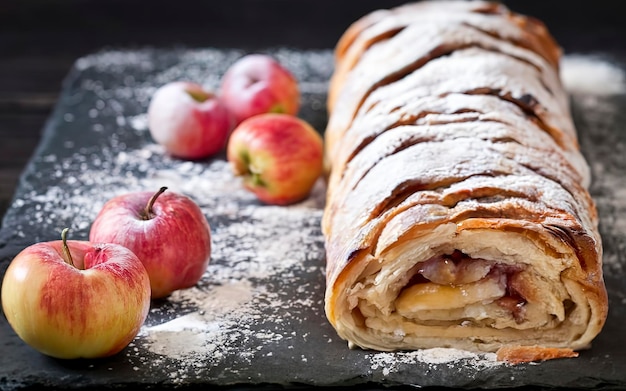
(278, 156)
(189, 121)
(166, 230)
(257, 84)
(76, 299)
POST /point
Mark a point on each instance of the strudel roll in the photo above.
(458, 212)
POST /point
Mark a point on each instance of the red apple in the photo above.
(258, 84)
(188, 121)
(167, 231)
(76, 299)
(279, 156)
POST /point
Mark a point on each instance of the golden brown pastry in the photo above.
(457, 211)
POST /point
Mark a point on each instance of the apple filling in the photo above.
(458, 290)
(455, 281)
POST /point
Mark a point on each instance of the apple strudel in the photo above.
(458, 212)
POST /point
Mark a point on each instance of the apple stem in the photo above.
(66, 249)
(200, 96)
(147, 213)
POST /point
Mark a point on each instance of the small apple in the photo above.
(76, 299)
(258, 84)
(279, 156)
(167, 231)
(188, 121)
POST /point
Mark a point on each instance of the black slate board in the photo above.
(267, 260)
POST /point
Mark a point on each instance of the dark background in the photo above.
(41, 39)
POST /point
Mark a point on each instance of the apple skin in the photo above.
(188, 121)
(174, 243)
(257, 84)
(279, 157)
(91, 309)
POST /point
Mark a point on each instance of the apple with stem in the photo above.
(188, 121)
(279, 157)
(76, 299)
(257, 84)
(166, 230)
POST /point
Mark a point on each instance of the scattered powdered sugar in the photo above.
(391, 362)
(592, 75)
(205, 330)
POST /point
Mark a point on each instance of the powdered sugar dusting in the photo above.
(392, 362)
(592, 75)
